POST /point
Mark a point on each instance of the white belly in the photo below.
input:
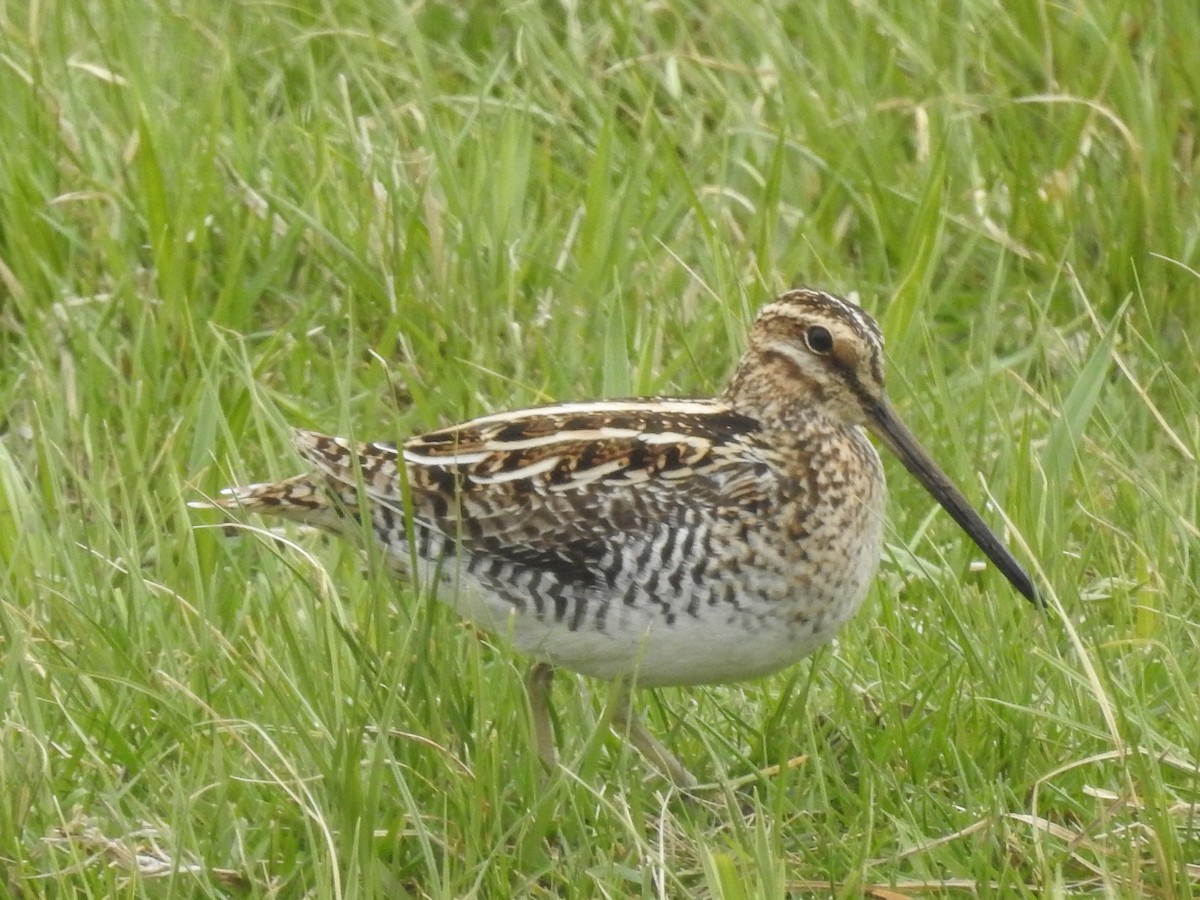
(777, 621)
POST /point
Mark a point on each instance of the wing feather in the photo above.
(553, 487)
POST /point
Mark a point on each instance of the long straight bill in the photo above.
(886, 425)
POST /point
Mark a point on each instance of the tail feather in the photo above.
(311, 498)
(376, 466)
(328, 496)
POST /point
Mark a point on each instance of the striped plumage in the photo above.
(666, 541)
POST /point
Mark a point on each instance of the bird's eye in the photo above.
(819, 340)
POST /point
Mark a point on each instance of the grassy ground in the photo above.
(221, 220)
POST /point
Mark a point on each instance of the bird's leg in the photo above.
(626, 723)
(537, 688)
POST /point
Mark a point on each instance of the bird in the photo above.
(655, 541)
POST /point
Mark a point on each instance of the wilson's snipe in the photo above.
(667, 542)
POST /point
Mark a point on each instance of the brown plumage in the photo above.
(656, 541)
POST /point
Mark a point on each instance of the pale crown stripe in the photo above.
(862, 321)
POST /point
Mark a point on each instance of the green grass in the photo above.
(221, 220)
